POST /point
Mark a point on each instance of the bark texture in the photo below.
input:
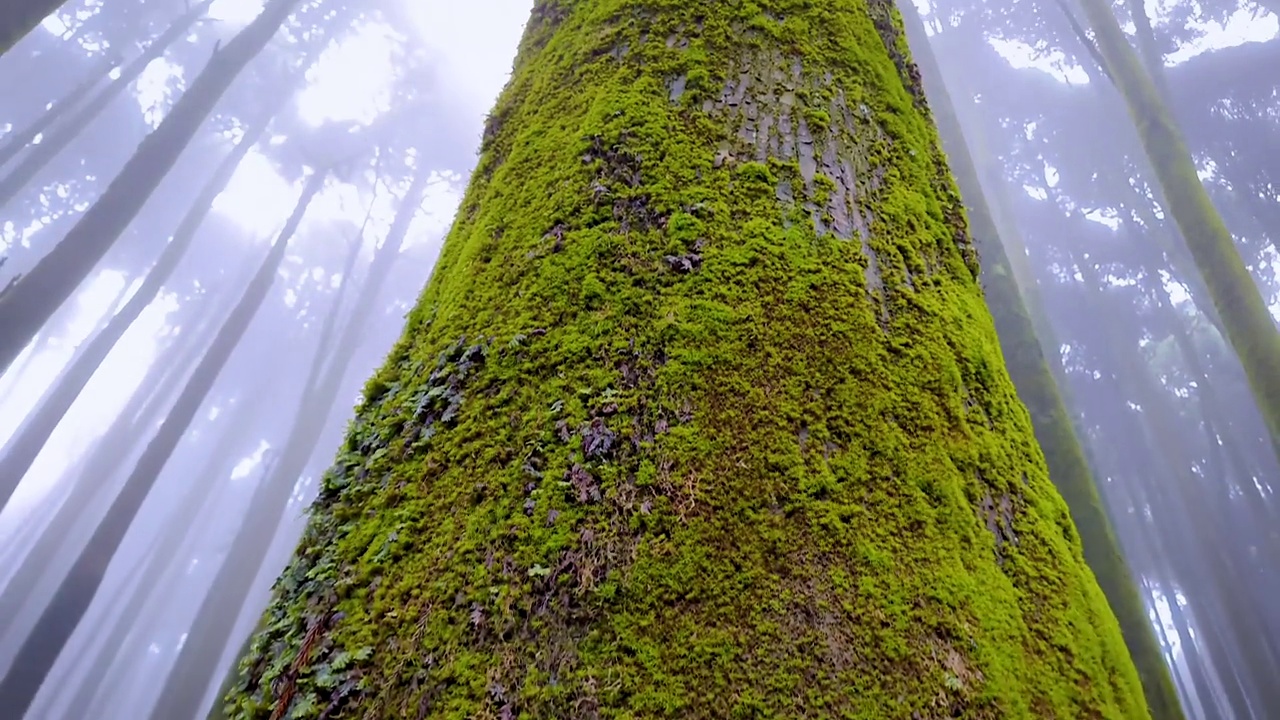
(701, 416)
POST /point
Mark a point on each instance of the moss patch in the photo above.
(702, 415)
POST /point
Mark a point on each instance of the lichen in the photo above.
(656, 443)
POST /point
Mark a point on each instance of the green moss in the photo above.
(679, 430)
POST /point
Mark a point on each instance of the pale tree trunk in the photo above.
(1184, 502)
(26, 445)
(185, 687)
(96, 484)
(71, 600)
(1248, 324)
(39, 156)
(16, 141)
(26, 305)
(171, 541)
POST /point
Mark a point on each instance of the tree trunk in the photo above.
(73, 596)
(33, 162)
(34, 298)
(95, 485)
(197, 661)
(1248, 325)
(700, 415)
(19, 17)
(18, 140)
(1025, 360)
(171, 541)
(1183, 503)
(36, 430)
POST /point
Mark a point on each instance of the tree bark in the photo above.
(26, 305)
(26, 445)
(701, 414)
(59, 619)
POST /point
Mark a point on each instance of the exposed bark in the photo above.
(1249, 326)
(1025, 360)
(38, 294)
(701, 414)
(61, 136)
(19, 17)
(36, 430)
(59, 619)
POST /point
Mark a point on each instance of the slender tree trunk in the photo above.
(171, 541)
(1173, 553)
(1149, 50)
(1249, 326)
(61, 136)
(1025, 360)
(73, 596)
(39, 293)
(197, 661)
(19, 17)
(15, 142)
(1183, 503)
(95, 484)
(35, 432)
(701, 414)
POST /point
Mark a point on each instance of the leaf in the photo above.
(325, 678)
(341, 660)
(539, 571)
(304, 707)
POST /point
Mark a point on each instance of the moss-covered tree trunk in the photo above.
(1248, 324)
(1025, 360)
(702, 414)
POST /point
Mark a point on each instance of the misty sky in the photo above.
(472, 45)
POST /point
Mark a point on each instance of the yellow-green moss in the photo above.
(678, 429)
